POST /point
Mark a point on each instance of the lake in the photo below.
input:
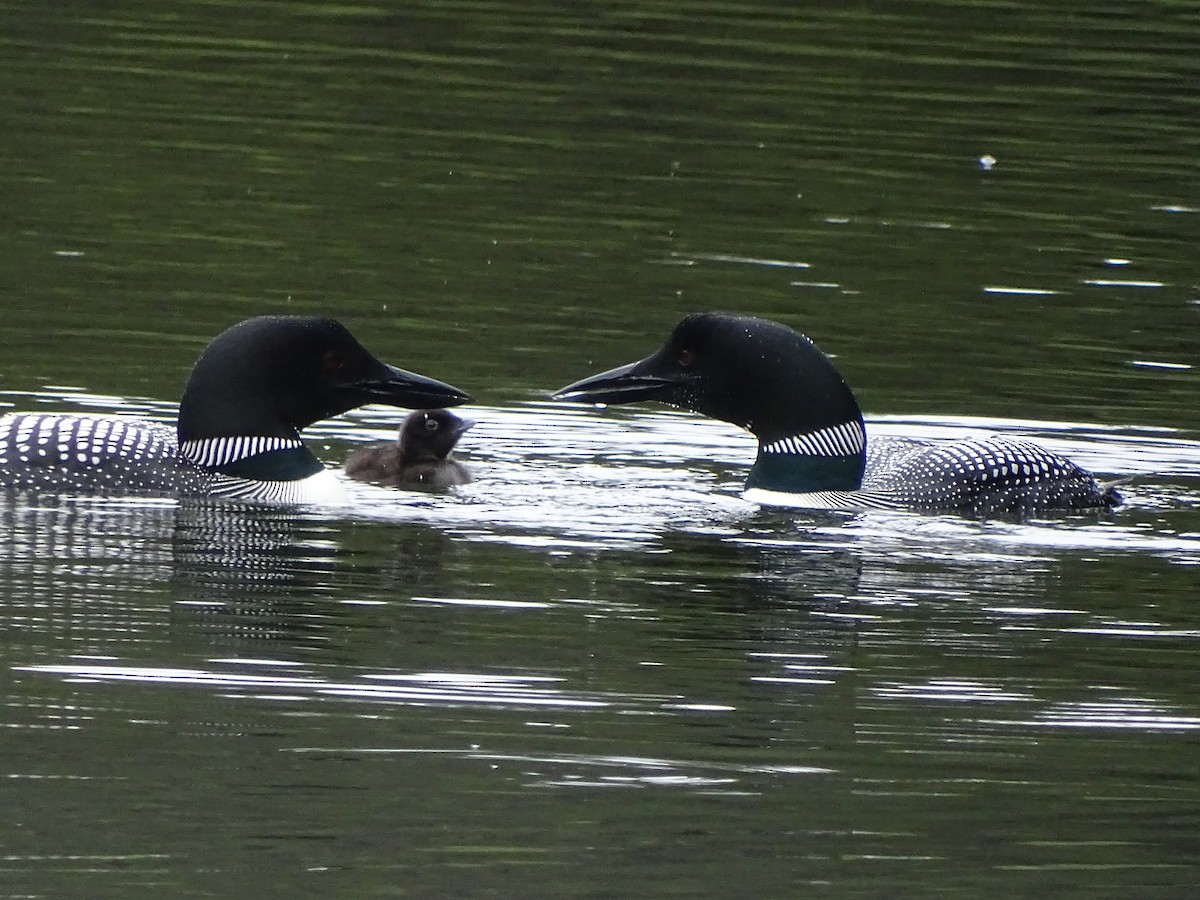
(598, 671)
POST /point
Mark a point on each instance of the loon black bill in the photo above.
(403, 388)
(624, 384)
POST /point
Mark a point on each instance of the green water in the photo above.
(597, 672)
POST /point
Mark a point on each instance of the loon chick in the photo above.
(419, 456)
(812, 445)
(238, 432)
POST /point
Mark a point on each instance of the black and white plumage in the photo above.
(420, 455)
(812, 444)
(58, 452)
(980, 477)
(249, 395)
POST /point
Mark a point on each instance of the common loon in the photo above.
(419, 456)
(250, 393)
(812, 446)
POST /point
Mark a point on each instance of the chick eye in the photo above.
(431, 425)
(333, 361)
(685, 358)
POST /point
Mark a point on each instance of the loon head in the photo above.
(429, 435)
(275, 375)
(754, 373)
(762, 376)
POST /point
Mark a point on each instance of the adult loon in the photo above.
(255, 386)
(812, 446)
(419, 456)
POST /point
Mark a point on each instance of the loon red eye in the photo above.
(333, 361)
(685, 358)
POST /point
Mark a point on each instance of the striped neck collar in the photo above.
(254, 457)
(846, 439)
(827, 459)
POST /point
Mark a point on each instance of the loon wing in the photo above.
(92, 454)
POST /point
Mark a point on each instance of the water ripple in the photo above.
(423, 688)
(585, 770)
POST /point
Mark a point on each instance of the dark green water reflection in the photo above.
(598, 673)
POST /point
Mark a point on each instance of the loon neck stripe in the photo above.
(213, 453)
(847, 439)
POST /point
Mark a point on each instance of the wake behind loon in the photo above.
(253, 389)
(812, 445)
